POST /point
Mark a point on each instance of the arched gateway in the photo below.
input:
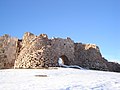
(63, 60)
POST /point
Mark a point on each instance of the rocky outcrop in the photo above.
(8, 49)
(41, 52)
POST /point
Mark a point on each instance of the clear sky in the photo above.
(86, 21)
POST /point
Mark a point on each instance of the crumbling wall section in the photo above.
(8, 49)
(89, 56)
(31, 53)
(62, 47)
(41, 52)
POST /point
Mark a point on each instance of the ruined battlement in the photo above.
(41, 52)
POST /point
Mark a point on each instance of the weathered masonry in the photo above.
(41, 52)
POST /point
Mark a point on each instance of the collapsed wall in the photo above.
(41, 52)
(89, 56)
(8, 49)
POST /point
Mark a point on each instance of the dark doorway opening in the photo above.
(63, 60)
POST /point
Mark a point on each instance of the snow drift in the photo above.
(58, 79)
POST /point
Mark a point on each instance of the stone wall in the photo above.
(41, 52)
(8, 49)
(89, 56)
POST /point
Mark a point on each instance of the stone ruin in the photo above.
(8, 49)
(41, 52)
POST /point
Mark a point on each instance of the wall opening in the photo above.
(63, 60)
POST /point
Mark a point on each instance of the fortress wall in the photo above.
(89, 56)
(8, 49)
(41, 52)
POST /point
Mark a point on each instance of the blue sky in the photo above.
(86, 21)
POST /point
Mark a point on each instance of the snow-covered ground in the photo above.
(58, 79)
